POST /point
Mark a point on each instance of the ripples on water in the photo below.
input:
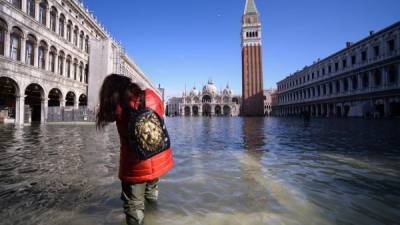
(228, 171)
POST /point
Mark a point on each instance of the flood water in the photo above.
(228, 171)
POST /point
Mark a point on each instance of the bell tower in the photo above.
(252, 74)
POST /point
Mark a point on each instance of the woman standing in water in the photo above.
(139, 178)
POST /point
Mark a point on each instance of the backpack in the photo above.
(147, 133)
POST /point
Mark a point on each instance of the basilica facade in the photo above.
(210, 102)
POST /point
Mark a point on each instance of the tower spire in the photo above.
(250, 8)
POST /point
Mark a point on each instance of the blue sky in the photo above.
(178, 42)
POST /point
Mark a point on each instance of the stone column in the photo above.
(385, 77)
(56, 63)
(23, 49)
(7, 44)
(48, 16)
(19, 110)
(370, 80)
(57, 25)
(23, 6)
(76, 103)
(37, 10)
(386, 107)
(350, 82)
(342, 109)
(341, 83)
(359, 80)
(36, 55)
(312, 110)
(321, 90)
(44, 108)
(46, 60)
(212, 110)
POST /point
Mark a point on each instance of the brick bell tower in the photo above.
(252, 74)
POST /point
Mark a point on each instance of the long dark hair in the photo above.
(115, 87)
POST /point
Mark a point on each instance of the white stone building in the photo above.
(210, 102)
(362, 80)
(173, 106)
(48, 58)
(268, 101)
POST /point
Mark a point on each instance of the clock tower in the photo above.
(252, 74)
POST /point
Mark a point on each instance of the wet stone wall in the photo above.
(69, 114)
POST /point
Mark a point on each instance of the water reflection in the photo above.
(228, 171)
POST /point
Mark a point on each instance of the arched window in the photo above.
(81, 72)
(346, 84)
(86, 73)
(53, 19)
(61, 58)
(69, 31)
(42, 55)
(30, 50)
(81, 40)
(17, 3)
(15, 43)
(365, 80)
(69, 61)
(3, 32)
(392, 73)
(75, 68)
(61, 25)
(337, 86)
(87, 44)
(354, 82)
(52, 59)
(76, 31)
(377, 78)
(30, 7)
(42, 12)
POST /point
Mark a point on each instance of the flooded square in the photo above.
(227, 171)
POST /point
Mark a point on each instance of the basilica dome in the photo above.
(210, 88)
(194, 92)
(227, 91)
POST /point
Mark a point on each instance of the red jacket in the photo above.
(131, 169)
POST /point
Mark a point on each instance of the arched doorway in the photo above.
(55, 98)
(346, 110)
(195, 110)
(8, 97)
(206, 99)
(218, 110)
(206, 110)
(70, 99)
(394, 109)
(380, 110)
(34, 100)
(82, 100)
(227, 110)
(187, 111)
(235, 100)
(338, 111)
